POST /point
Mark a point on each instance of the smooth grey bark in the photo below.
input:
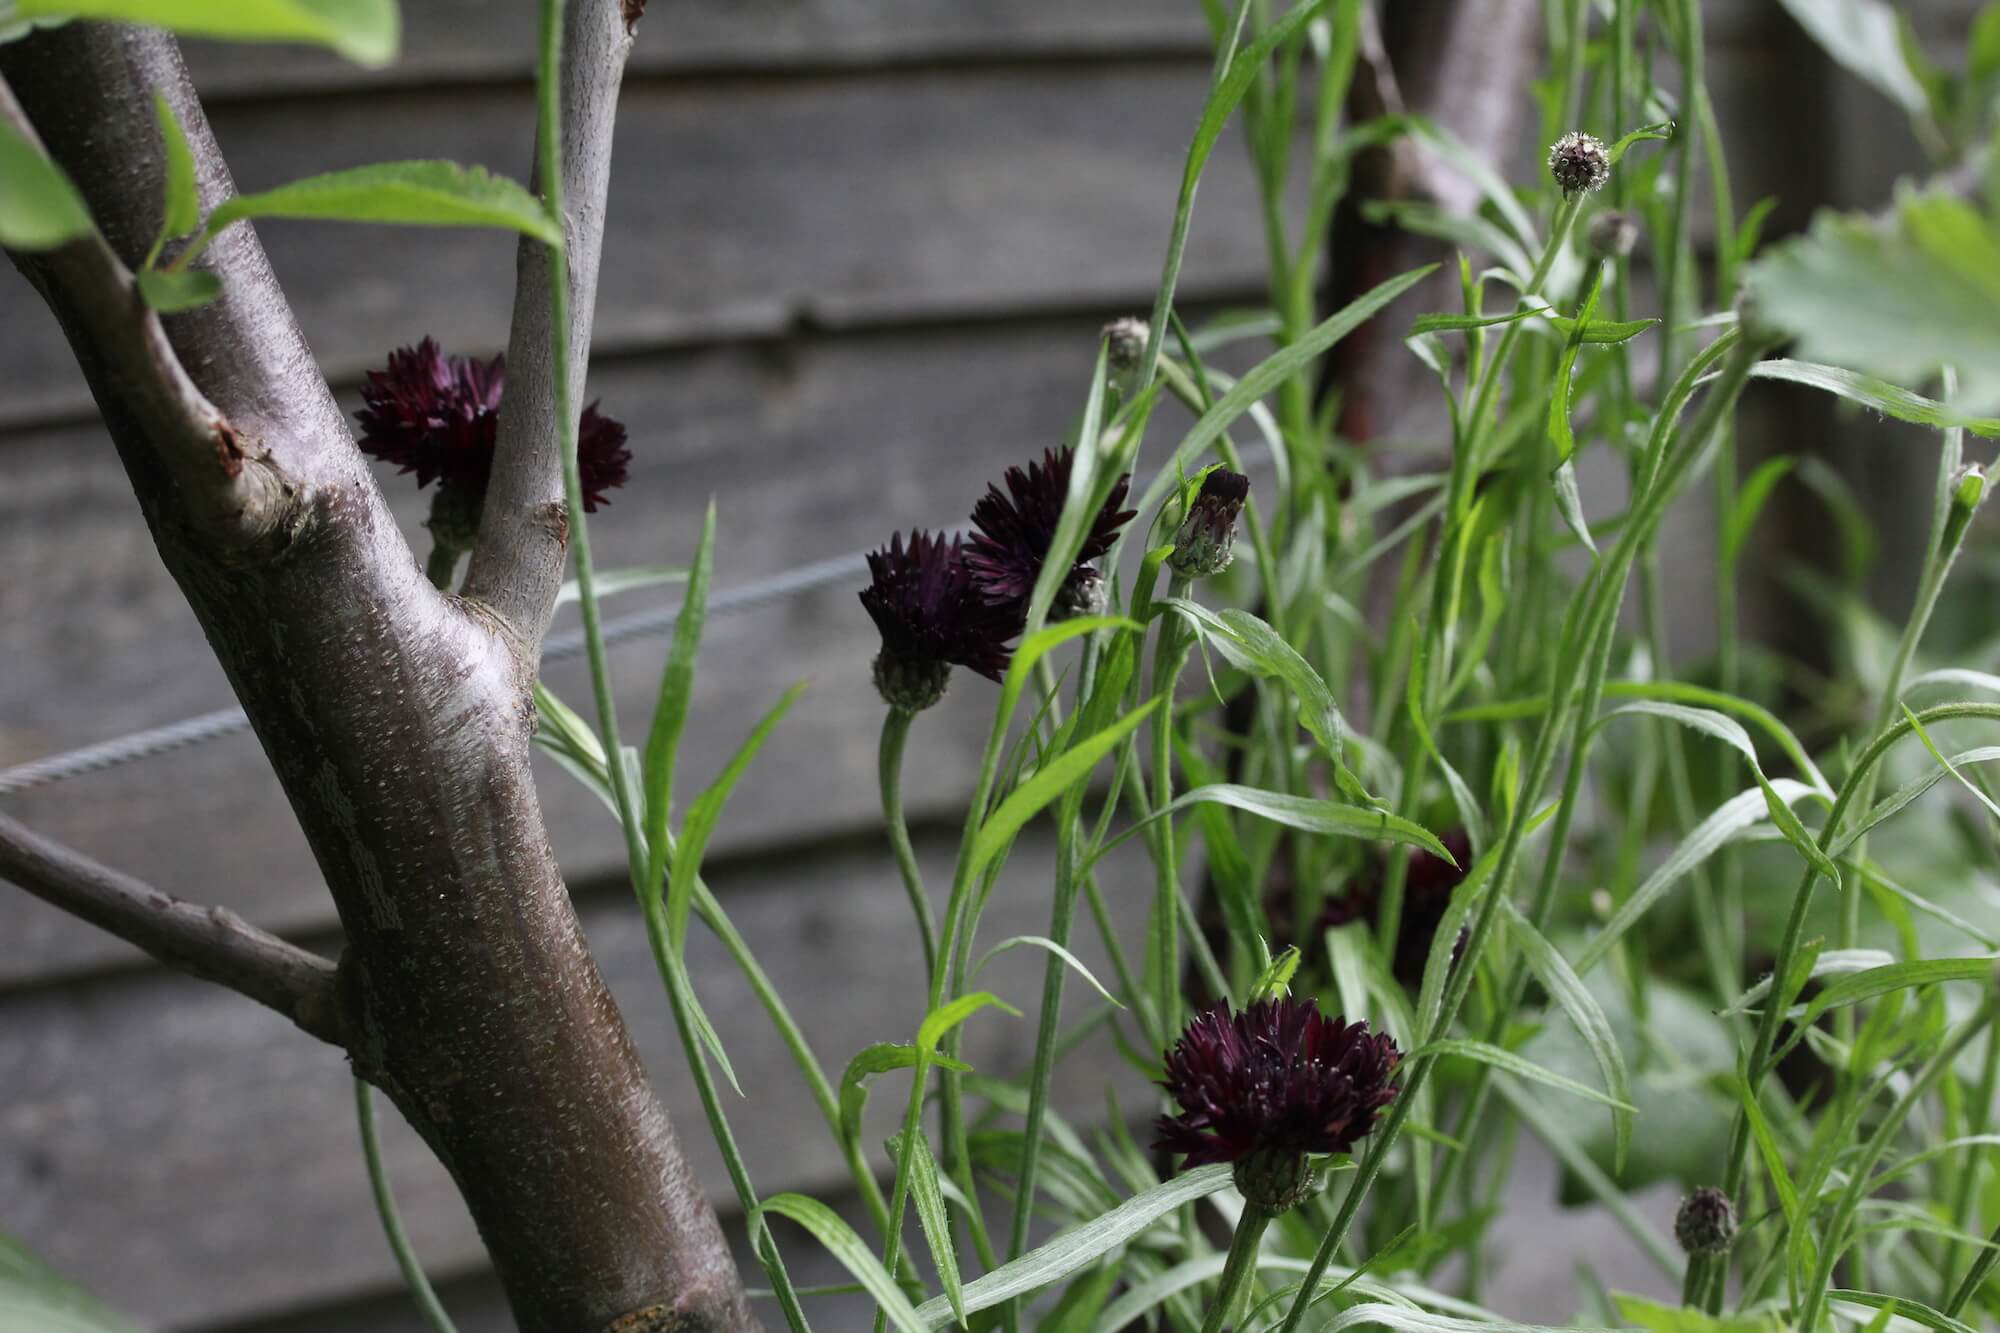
(398, 720)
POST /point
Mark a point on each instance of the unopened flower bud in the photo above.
(1125, 349)
(910, 683)
(1967, 492)
(1206, 541)
(1274, 1180)
(454, 520)
(1706, 1222)
(1579, 163)
(1613, 234)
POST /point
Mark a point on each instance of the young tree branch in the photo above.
(517, 563)
(211, 943)
(230, 485)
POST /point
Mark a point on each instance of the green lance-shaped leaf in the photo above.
(365, 31)
(839, 1240)
(1576, 1001)
(34, 1298)
(417, 194)
(39, 208)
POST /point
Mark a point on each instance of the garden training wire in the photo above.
(205, 727)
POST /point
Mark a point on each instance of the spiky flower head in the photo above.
(1263, 1088)
(1427, 890)
(1706, 1222)
(1579, 163)
(438, 415)
(932, 618)
(1012, 532)
(1612, 234)
(1206, 540)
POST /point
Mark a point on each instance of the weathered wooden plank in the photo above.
(747, 210)
(811, 451)
(464, 40)
(125, 1100)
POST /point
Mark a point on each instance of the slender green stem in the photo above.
(441, 568)
(548, 126)
(1975, 1277)
(895, 733)
(1965, 1182)
(421, 1292)
(1861, 1169)
(1168, 654)
(1239, 1270)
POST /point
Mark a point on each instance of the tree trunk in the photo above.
(398, 720)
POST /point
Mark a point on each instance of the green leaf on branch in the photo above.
(416, 194)
(368, 32)
(171, 293)
(39, 208)
(180, 207)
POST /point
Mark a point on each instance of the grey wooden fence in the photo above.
(856, 257)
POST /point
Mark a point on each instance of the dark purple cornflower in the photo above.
(1427, 894)
(1012, 533)
(932, 618)
(1263, 1088)
(437, 416)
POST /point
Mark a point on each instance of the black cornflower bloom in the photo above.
(1427, 894)
(1706, 1222)
(1012, 533)
(1206, 540)
(932, 618)
(437, 416)
(1263, 1088)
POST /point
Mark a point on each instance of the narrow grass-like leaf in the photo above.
(1047, 783)
(1080, 1246)
(365, 31)
(1750, 499)
(39, 208)
(839, 1240)
(34, 1298)
(1462, 323)
(1268, 375)
(1020, 670)
(1767, 1148)
(950, 1014)
(1587, 1017)
(1305, 813)
(1043, 942)
(929, 1199)
(1880, 981)
(1252, 645)
(1948, 766)
(1080, 503)
(1727, 820)
(1569, 502)
(1895, 802)
(706, 812)
(611, 581)
(1602, 332)
(1875, 394)
(418, 194)
(1914, 1311)
(670, 710)
(1830, 963)
(880, 1058)
(1560, 434)
(1275, 981)
(1508, 1062)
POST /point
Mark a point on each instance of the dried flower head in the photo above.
(1012, 532)
(1126, 340)
(1579, 163)
(1427, 890)
(1263, 1088)
(1206, 540)
(437, 416)
(1612, 234)
(1706, 1222)
(932, 618)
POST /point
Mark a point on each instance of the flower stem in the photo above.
(1168, 653)
(895, 733)
(426, 1299)
(1239, 1270)
(442, 567)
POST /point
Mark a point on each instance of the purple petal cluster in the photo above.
(437, 416)
(1012, 532)
(1277, 1078)
(1426, 897)
(923, 601)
